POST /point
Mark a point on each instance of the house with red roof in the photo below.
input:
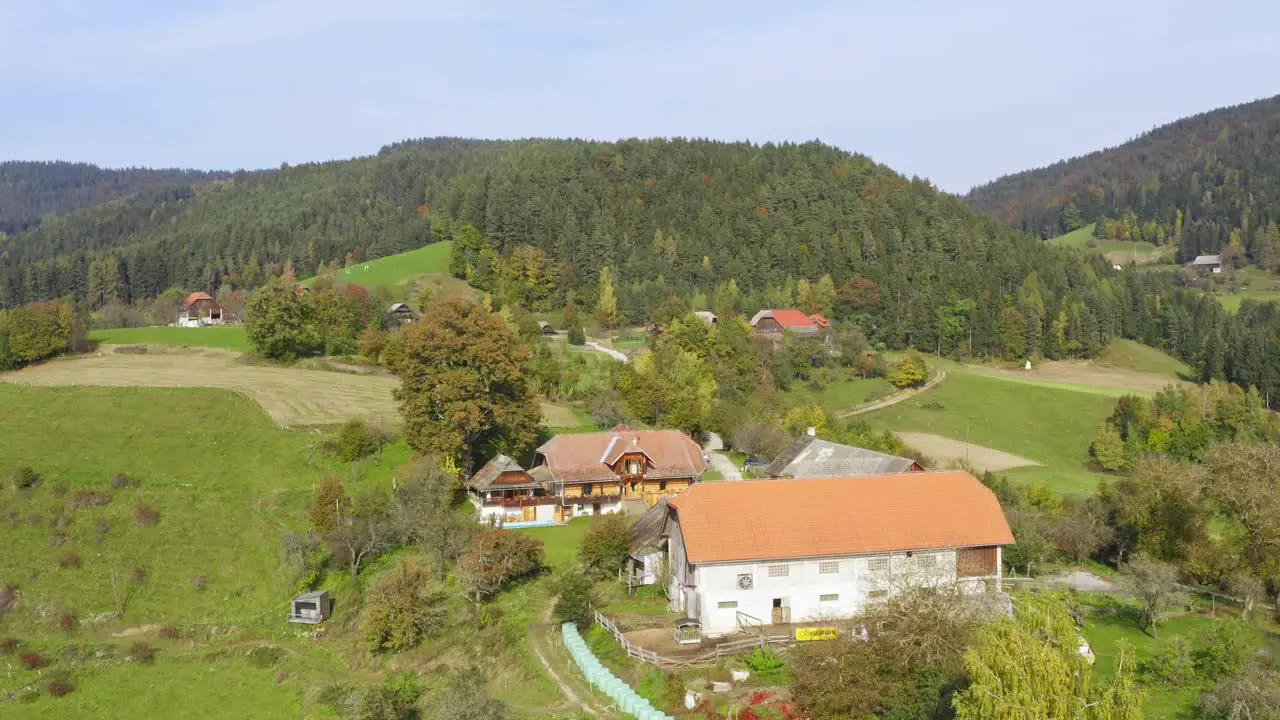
(200, 309)
(773, 323)
(774, 552)
(624, 469)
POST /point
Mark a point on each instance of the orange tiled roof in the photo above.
(196, 297)
(586, 457)
(814, 517)
(792, 318)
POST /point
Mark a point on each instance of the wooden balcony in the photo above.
(520, 501)
(590, 499)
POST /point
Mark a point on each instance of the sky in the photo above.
(957, 92)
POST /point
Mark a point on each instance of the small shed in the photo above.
(1212, 263)
(311, 608)
(688, 631)
(402, 313)
(546, 328)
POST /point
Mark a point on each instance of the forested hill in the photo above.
(30, 190)
(1205, 183)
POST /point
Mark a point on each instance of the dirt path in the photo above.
(539, 640)
(897, 397)
(292, 396)
(720, 461)
(944, 450)
(1084, 373)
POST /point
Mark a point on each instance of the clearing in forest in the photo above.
(292, 396)
(1118, 252)
(1083, 376)
(394, 270)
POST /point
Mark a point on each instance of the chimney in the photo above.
(635, 441)
(811, 431)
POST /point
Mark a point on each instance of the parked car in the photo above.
(752, 462)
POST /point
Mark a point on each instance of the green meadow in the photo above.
(395, 270)
(229, 337)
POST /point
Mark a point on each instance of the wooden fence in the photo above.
(712, 657)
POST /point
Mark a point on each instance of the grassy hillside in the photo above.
(395, 270)
(1119, 252)
(1130, 355)
(228, 337)
(1052, 425)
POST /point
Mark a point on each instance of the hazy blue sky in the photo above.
(959, 92)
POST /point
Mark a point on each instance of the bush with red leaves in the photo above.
(58, 688)
(33, 661)
(9, 646)
(67, 621)
(169, 631)
(145, 515)
(70, 560)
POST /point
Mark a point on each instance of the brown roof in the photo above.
(584, 457)
(196, 297)
(490, 474)
(814, 517)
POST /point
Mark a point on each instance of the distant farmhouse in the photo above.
(773, 552)
(402, 313)
(1211, 263)
(200, 309)
(810, 457)
(773, 322)
(589, 474)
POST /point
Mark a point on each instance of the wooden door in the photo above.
(530, 513)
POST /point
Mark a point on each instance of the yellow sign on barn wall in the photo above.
(817, 633)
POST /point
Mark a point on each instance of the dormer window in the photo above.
(633, 466)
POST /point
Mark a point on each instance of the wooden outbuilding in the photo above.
(310, 608)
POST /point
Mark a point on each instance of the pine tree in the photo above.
(607, 305)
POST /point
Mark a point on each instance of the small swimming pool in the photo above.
(529, 524)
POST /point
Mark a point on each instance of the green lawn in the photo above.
(397, 269)
(1052, 425)
(1130, 355)
(1232, 301)
(230, 337)
(561, 542)
(840, 391)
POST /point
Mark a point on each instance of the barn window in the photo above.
(878, 565)
(833, 597)
(727, 605)
(976, 562)
(828, 567)
(745, 581)
(779, 571)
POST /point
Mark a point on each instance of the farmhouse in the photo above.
(810, 456)
(771, 552)
(773, 322)
(402, 313)
(1210, 263)
(589, 474)
(200, 309)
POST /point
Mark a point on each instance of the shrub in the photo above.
(9, 597)
(355, 440)
(576, 596)
(912, 371)
(58, 688)
(265, 656)
(1170, 664)
(9, 646)
(22, 478)
(88, 498)
(498, 557)
(169, 632)
(145, 515)
(606, 545)
(372, 342)
(120, 481)
(577, 336)
(67, 621)
(1220, 650)
(70, 560)
(142, 652)
(400, 609)
(33, 660)
(395, 699)
(765, 663)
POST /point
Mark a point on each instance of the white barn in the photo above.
(775, 552)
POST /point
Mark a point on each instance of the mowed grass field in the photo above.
(398, 269)
(226, 337)
(1130, 355)
(292, 396)
(1048, 424)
